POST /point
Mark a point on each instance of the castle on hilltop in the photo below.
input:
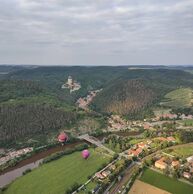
(71, 84)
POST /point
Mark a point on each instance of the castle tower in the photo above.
(70, 82)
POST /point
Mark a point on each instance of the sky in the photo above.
(96, 32)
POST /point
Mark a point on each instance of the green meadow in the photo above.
(57, 176)
(166, 183)
(178, 98)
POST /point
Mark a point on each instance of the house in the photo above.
(136, 152)
(112, 167)
(99, 176)
(169, 116)
(191, 170)
(183, 117)
(161, 139)
(146, 126)
(142, 145)
(161, 164)
(175, 164)
(106, 173)
(149, 142)
(171, 139)
(190, 159)
(187, 175)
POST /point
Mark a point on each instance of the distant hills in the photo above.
(131, 92)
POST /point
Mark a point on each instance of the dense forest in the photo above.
(125, 97)
(34, 119)
(137, 90)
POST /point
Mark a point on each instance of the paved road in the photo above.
(128, 173)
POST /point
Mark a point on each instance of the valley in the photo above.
(128, 119)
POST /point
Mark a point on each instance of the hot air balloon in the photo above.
(62, 137)
(85, 154)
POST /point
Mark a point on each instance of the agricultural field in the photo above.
(188, 122)
(140, 187)
(178, 98)
(166, 183)
(183, 151)
(58, 176)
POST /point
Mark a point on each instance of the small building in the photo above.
(99, 176)
(175, 164)
(161, 164)
(149, 141)
(184, 117)
(146, 126)
(161, 139)
(142, 145)
(190, 159)
(169, 116)
(106, 173)
(112, 167)
(171, 139)
(136, 152)
(186, 175)
(191, 170)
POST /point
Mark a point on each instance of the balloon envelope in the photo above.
(62, 137)
(85, 154)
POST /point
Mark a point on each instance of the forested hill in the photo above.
(138, 90)
(124, 97)
(29, 120)
(32, 101)
(137, 87)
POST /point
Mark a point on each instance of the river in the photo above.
(11, 173)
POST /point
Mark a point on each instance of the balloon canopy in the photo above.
(85, 154)
(62, 137)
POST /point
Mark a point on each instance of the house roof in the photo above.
(175, 163)
(171, 138)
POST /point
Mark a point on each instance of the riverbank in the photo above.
(41, 155)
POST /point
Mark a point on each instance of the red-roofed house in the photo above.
(175, 164)
(172, 139)
(187, 175)
(136, 152)
(161, 164)
(142, 145)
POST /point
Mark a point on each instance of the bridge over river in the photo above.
(95, 141)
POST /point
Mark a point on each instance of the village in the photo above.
(154, 147)
(85, 101)
(10, 155)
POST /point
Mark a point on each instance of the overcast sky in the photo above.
(96, 32)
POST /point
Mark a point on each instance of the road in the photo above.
(128, 173)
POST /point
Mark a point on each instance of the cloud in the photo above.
(84, 31)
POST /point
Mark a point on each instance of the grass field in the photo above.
(161, 181)
(57, 176)
(183, 151)
(88, 188)
(188, 122)
(178, 98)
